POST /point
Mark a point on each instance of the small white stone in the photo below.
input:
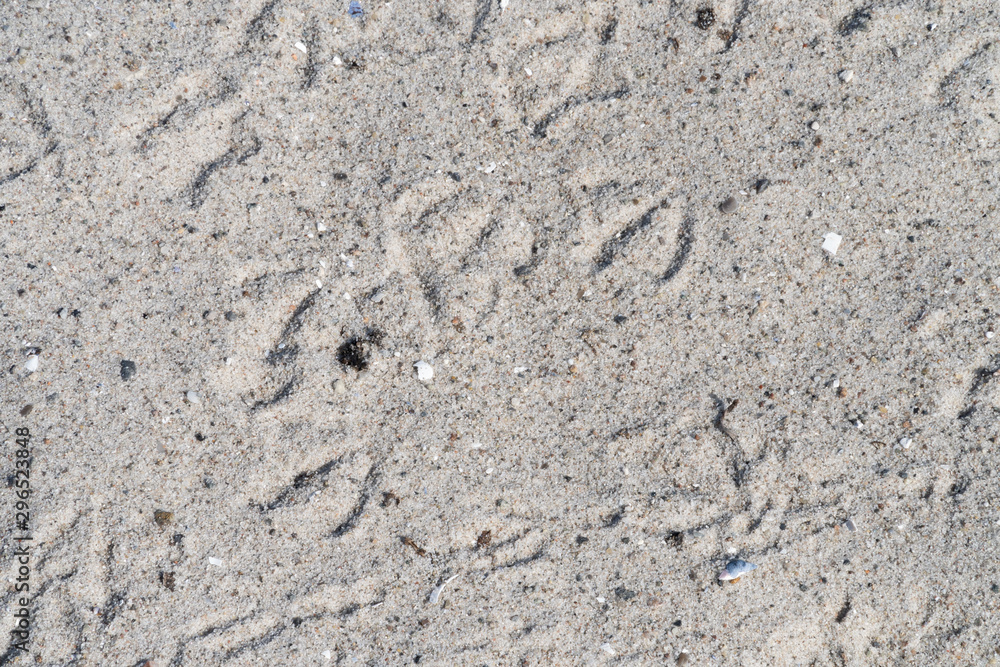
(831, 242)
(846, 75)
(31, 365)
(320, 227)
(905, 443)
(339, 387)
(300, 46)
(378, 296)
(527, 71)
(337, 61)
(607, 648)
(814, 126)
(193, 397)
(425, 372)
(229, 361)
(989, 334)
(212, 560)
(62, 313)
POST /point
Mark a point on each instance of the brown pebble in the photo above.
(162, 517)
(484, 538)
(842, 392)
(26, 410)
(730, 205)
(167, 579)
(682, 659)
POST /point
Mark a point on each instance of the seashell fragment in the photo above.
(736, 569)
(425, 372)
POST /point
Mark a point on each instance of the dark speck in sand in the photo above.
(705, 18)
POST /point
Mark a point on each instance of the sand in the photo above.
(230, 230)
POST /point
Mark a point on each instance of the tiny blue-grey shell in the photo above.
(736, 569)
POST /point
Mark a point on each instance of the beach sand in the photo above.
(231, 229)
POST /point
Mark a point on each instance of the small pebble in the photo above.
(682, 659)
(320, 227)
(846, 75)
(378, 296)
(300, 46)
(831, 242)
(339, 387)
(730, 205)
(905, 443)
(127, 369)
(31, 365)
(425, 372)
(850, 525)
(163, 518)
(607, 649)
(989, 334)
(214, 561)
(193, 397)
(26, 410)
(735, 569)
(62, 313)
(814, 126)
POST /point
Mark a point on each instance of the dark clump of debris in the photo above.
(355, 351)
(705, 18)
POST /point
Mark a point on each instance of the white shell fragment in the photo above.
(300, 46)
(212, 560)
(846, 75)
(831, 242)
(736, 569)
(193, 397)
(31, 365)
(905, 443)
(436, 593)
(425, 372)
(607, 648)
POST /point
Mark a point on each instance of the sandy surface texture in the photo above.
(489, 333)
